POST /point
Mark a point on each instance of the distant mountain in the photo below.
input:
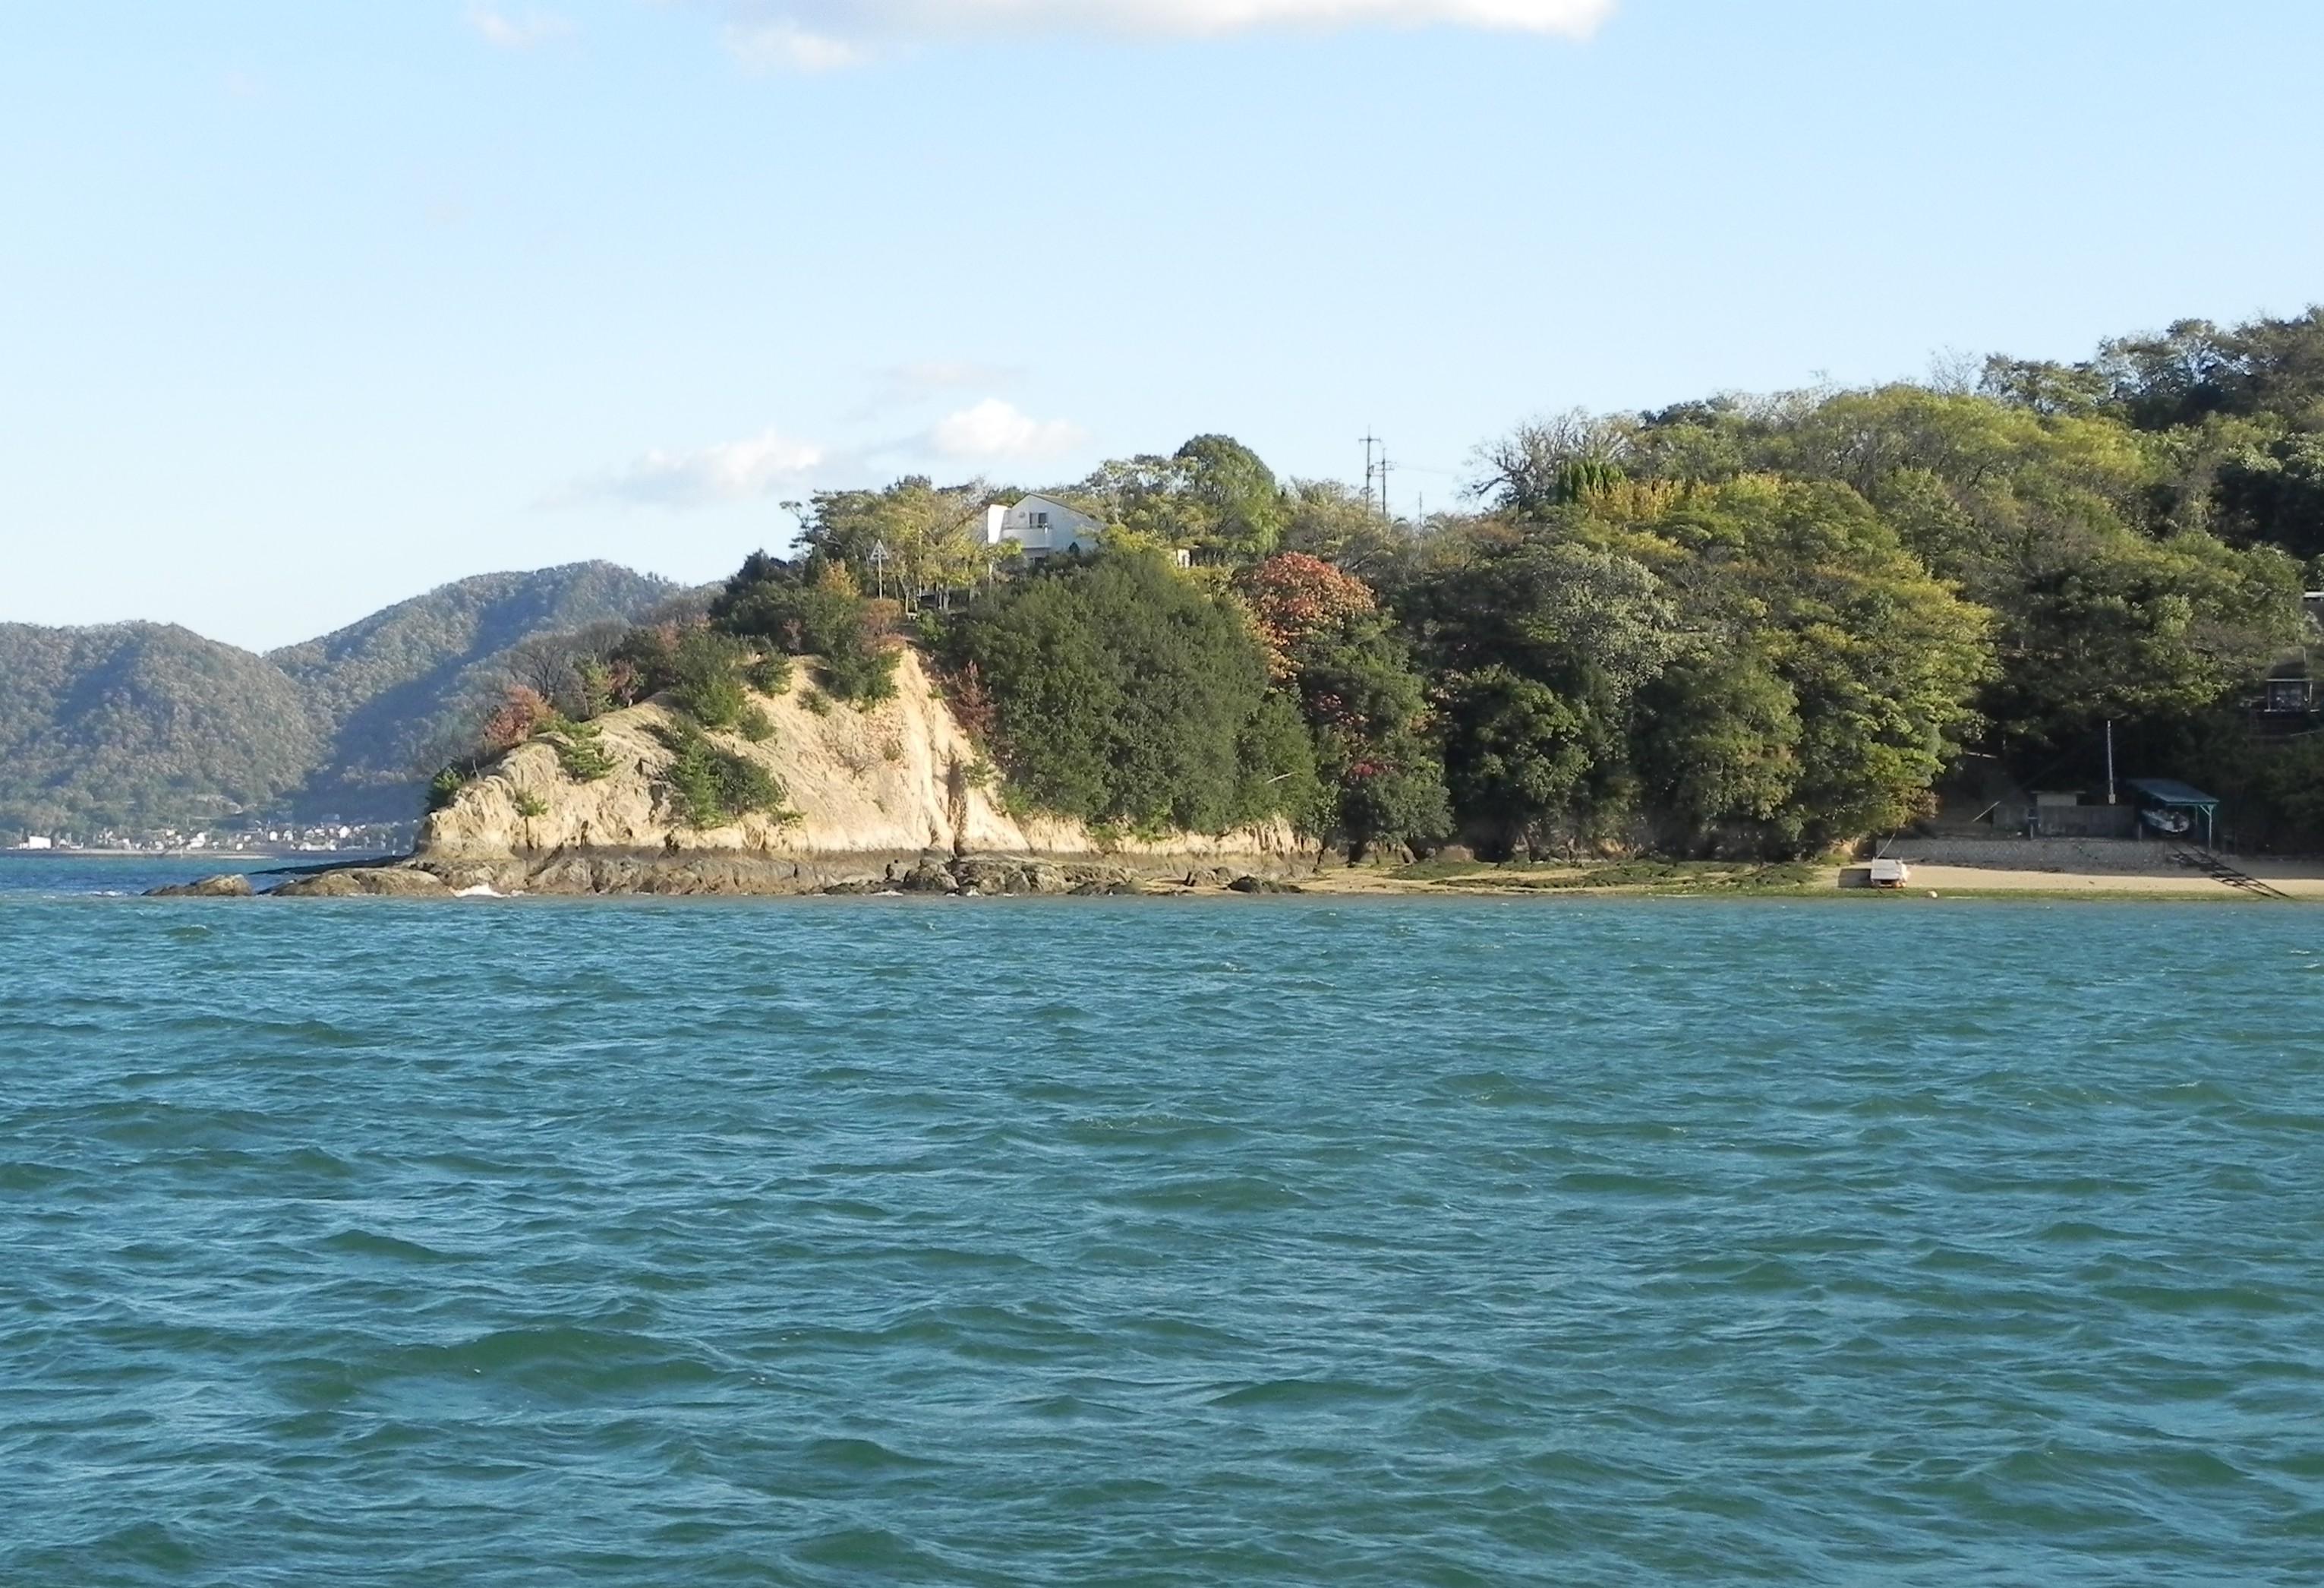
(143, 727)
(406, 683)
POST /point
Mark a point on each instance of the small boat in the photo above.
(1876, 873)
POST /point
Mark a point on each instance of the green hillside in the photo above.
(137, 727)
(394, 690)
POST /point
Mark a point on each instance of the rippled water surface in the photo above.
(1140, 1242)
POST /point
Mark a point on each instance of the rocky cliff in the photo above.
(897, 794)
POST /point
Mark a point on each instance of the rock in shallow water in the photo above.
(392, 882)
(928, 877)
(232, 885)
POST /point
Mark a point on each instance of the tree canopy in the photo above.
(1733, 624)
(1124, 693)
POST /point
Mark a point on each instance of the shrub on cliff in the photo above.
(714, 787)
(520, 714)
(813, 609)
(580, 750)
(702, 669)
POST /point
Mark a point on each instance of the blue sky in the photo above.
(304, 308)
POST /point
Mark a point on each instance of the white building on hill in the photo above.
(1042, 526)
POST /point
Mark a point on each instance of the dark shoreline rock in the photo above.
(229, 885)
(379, 882)
(757, 874)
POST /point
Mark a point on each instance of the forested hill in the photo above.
(137, 727)
(399, 691)
(1730, 626)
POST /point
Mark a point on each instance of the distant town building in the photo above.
(36, 841)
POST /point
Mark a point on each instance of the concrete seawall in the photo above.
(2126, 856)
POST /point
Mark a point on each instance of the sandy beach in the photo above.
(2061, 868)
(2288, 878)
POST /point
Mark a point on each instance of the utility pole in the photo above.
(2110, 760)
(1384, 468)
(1370, 441)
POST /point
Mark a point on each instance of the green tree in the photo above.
(2120, 626)
(1758, 663)
(2275, 494)
(1518, 754)
(1331, 646)
(1592, 623)
(2195, 369)
(1122, 692)
(1539, 465)
(905, 540)
(1237, 499)
(812, 607)
(1882, 661)
(2086, 537)
(715, 787)
(1340, 525)
(1213, 496)
(1717, 748)
(1535, 634)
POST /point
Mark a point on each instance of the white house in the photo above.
(1042, 525)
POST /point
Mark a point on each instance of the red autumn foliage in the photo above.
(1293, 597)
(520, 711)
(972, 703)
(624, 684)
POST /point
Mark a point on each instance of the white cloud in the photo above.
(818, 35)
(909, 382)
(518, 33)
(735, 472)
(906, 385)
(994, 431)
(761, 45)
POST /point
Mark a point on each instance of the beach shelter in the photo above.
(2169, 805)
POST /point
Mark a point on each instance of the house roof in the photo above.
(1052, 502)
(2172, 791)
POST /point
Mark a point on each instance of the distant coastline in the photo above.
(993, 875)
(302, 857)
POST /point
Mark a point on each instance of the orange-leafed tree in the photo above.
(1332, 649)
(1296, 600)
(521, 712)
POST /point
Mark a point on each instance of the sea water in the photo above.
(1217, 1241)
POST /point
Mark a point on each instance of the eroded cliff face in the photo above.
(872, 791)
(898, 777)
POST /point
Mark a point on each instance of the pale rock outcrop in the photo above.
(898, 777)
(877, 799)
